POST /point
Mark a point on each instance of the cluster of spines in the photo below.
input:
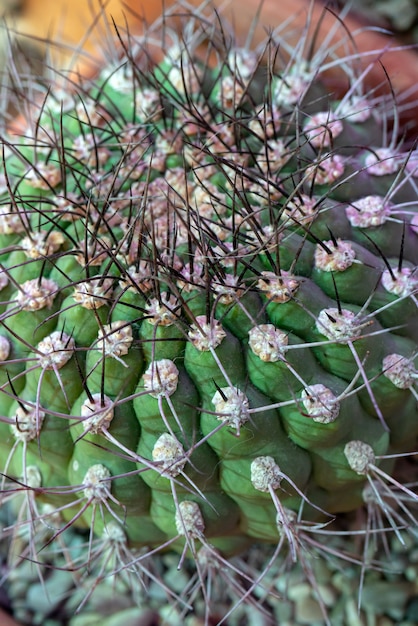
(178, 256)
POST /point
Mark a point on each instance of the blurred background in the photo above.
(25, 23)
(400, 16)
(37, 35)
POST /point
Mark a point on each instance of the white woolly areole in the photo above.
(36, 294)
(368, 212)
(359, 456)
(320, 403)
(228, 253)
(208, 556)
(4, 348)
(228, 290)
(28, 423)
(356, 109)
(284, 519)
(266, 121)
(12, 221)
(85, 149)
(327, 170)
(278, 288)
(289, 89)
(55, 350)
(191, 278)
(115, 339)
(273, 156)
(300, 210)
(88, 112)
(94, 293)
(206, 335)
(4, 280)
(161, 378)
(231, 406)
(58, 101)
(185, 79)
(414, 224)
(114, 532)
(383, 161)
(137, 278)
(263, 188)
(96, 483)
(33, 477)
(265, 474)
(43, 175)
(230, 92)
(50, 513)
(169, 454)
(266, 239)
(242, 61)
(322, 128)
(41, 244)
(339, 326)
(340, 257)
(183, 73)
(97, 413)
(402, 283)
(268, 342)
(400, 371)
(93, 251)
(161, 311)
(189, 520)
(119, 77)
(148, 103)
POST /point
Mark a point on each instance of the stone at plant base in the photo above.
(129, 617)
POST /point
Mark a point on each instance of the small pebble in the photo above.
(308, 610)
(327, 594)
(298, 592)
(380, 598)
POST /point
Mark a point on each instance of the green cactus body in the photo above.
(114, 362)
(166, 400)
(259, 515)
(161, 334)
(346, 269)
(201, 470)
(258, 431)
(81, 311)
(208, 302)
(317, 419)
(292, 302)
(211, 345)
(129, 301)
(273, 366)
(31, 314)
(12, 379)
(52, 372)
(330, 470)
(39, 434)
(239, 311)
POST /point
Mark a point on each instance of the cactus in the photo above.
(209, 310)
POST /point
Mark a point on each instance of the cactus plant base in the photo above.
(287, 598)
(208, 312)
